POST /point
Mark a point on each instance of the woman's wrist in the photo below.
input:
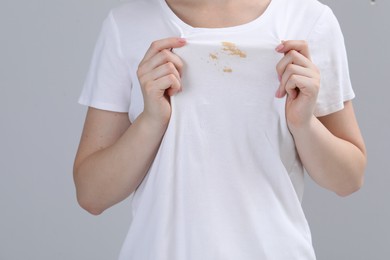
(304, 129)
(150, 124)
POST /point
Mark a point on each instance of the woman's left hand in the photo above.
(300, 80)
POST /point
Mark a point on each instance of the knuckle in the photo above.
(141, 80)
(166, 52)
(174, 82)
(294, 78)
(180, 64)
(154, 45)
(140, 71)
(278, 67)
(172, 78)
(165, 55)
(170, 67)
(290, 67)
(294, 53)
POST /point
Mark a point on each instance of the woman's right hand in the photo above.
(159, 76)
(109, 139)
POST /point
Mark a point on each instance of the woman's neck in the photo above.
(206, 2)
(217, 13)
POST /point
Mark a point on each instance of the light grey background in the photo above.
(45, 52)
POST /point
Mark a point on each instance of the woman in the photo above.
(199, 110)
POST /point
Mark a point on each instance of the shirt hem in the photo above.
(103, 106)
(334, 107)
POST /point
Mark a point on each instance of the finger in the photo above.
(164, 56)
(175, 86)
(166, 69)
(159, 45)
(159, 72)
(298, 45)
(169, 84)
(302, 85)
(292, 57)
(293, 69)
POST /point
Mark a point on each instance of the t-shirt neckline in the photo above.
(184, 26)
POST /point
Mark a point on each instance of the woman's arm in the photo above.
(113, 158)
(114, 155)
(331, 147)
(333, 151)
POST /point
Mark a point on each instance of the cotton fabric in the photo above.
(227, 182)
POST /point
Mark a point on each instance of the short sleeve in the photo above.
(108, 83)
(326, 43)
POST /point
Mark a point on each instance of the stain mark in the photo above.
(227, 70)
(232, 49)
(214, 56)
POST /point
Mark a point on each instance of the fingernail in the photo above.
(279, 47)
(277, 93)
(182, 40)
(280, 78)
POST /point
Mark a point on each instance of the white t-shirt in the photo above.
(227, 182)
